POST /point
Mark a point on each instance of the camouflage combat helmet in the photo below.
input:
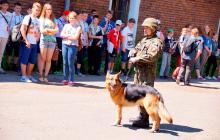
(151, 22)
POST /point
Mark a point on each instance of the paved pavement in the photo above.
(30, 111)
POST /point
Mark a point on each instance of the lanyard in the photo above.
(94, 30)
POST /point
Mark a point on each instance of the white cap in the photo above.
(158, 22)
(118, 22)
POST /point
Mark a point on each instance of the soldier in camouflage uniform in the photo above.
(144, 57)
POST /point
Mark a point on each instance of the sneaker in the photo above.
(80, 74)
(218, 78)
(25, 79)
(33, 79)
(214, 78)
(161, 77)
(71, 83)
(2, 71)
(201, 78)
(166, 77)
(186, 84)
(65, 82)
(208, 77)
(177, 81)
(174, 78)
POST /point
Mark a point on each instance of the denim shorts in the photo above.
(112, 56)
(47, 44)
(124, 56)
(28, 55)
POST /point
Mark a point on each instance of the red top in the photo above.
(115, 37)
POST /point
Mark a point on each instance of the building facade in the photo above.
(175, 14)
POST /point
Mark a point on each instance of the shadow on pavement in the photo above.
(171, 129)
(77, 84)
(88, 86)
(206, 87)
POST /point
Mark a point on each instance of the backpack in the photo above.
(15, 33)
(188, 49)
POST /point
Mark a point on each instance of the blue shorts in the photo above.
(28, 55)
(112, 56)
(124, 56)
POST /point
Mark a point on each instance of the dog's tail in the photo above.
(163, 112)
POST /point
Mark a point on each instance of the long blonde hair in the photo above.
(43, 12)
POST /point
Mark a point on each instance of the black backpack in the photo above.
(192, 47)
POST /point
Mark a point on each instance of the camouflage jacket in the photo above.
(147, 51)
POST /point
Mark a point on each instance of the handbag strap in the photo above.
(29, 23)
(4, 18)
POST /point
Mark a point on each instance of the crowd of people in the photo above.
(197, 49)
(63, 43)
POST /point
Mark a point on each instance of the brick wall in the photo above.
(58, 5)
(178, 13)
(173, 14)
(100, 5)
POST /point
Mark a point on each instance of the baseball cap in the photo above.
(170, 30)
(118, 22)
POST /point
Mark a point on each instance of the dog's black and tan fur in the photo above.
(133, 95)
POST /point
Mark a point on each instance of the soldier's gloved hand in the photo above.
(132, 53)
(133, 60)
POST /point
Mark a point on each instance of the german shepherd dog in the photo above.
(124, 95)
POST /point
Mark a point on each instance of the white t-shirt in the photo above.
(69, 29)
(5, 27)
(128, 35)
(34, 28)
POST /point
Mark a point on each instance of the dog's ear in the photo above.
(118, 75)
(107, 74)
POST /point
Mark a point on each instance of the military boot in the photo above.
(143, 119)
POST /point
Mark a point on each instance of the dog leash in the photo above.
(129, 71)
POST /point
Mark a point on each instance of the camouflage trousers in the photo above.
(144, 75)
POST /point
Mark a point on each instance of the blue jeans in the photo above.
(165, 65)
(69, 55)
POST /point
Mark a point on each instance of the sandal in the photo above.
(41, 79)
(46, 79)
